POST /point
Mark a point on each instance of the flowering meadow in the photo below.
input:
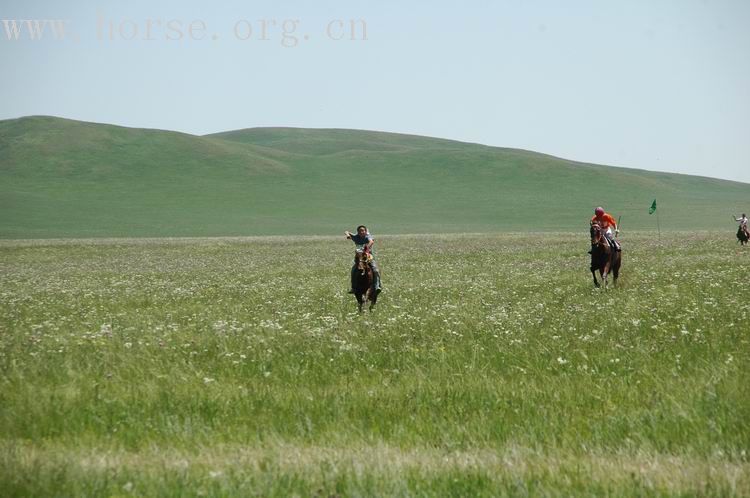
(490, 366)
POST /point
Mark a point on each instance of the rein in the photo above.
(596, 239)
(362, 260)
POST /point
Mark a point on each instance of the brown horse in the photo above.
(364, 281)
(604, 258)
(742, 236)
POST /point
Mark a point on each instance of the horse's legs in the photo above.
(606, 269)
(593, 266)
(615, 269)
(360, 301)
(366, 297)
(593, 274)
(373, 297)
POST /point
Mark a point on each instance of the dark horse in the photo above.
(364, 281)
(604, 258)
(742, 236)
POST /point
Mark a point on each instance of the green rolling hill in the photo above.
(64, 178)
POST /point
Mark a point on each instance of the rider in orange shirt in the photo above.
(607, 222)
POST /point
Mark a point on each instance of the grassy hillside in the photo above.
(63, 178)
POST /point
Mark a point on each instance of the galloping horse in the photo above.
(603, 257)
(742, 236)
(364, 282)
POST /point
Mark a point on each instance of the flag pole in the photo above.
(658, 228)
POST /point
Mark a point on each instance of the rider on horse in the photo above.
(364, 241)
(606, 221)
(743, 224)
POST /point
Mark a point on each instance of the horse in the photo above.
(604, 258)
(742, 236)
(364, 281)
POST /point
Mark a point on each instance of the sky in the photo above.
(652, 84)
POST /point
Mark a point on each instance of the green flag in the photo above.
(652, 208)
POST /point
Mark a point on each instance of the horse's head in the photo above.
(596, 233)
(361, 258)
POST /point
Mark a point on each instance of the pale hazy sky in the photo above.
(660, 84)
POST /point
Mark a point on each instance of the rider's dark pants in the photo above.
(612, 243)
(375, 273)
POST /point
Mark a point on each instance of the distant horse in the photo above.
(742, 236)
(364, 281)
(604, 258)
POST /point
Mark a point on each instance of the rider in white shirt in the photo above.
(743, 222)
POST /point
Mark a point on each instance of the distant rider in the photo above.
(607, 222)
(743, 224)
(363, 240)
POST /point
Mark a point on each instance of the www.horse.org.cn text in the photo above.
(287, 32)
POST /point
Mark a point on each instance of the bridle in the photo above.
(361, 257)
(596, 234)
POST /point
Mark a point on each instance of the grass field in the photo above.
(208, 367)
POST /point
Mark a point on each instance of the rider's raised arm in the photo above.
(348, 234)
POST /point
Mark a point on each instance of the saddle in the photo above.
(366, 255)
(614, 244)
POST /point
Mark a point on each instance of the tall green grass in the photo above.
(489, 367)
